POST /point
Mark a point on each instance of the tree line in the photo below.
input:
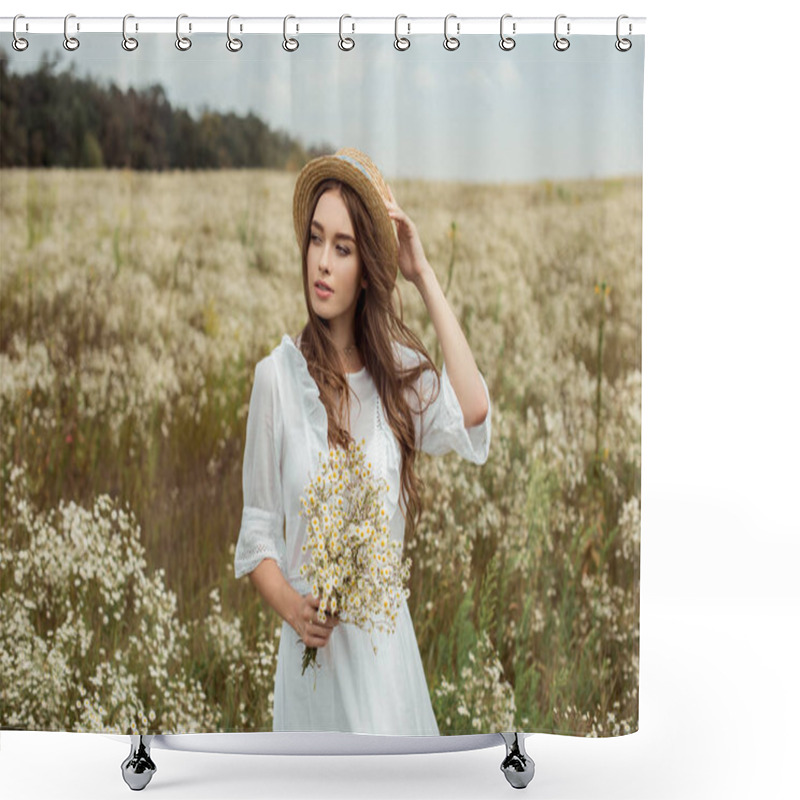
(56, 119)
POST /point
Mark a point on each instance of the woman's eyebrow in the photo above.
(315, 224)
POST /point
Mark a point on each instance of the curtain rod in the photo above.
(513, 26)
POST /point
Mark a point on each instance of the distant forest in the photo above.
(50, 119)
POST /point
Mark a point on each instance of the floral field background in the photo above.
(133, 309)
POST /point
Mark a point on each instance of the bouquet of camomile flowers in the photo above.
(350, 562)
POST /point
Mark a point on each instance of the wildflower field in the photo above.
(133, 309)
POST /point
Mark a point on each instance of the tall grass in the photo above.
(133, 308)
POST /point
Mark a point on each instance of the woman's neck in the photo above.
(344, 341)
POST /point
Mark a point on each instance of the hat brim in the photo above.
(336, 166)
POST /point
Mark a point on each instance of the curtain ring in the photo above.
(507, 42)
(19, 44)
(70, 42)
(289, 45)
(183, 43)
(128, 42)
(623, 45)
(345, 43)
(451, 42)
(401, 43)
(233, 44)
(561, 43)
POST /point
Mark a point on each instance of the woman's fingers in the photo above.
(317, 636)
(405, 225)
(316, 632)
(394, 210)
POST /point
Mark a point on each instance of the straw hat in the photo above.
(358, 171)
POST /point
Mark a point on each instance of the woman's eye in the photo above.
(344, 251)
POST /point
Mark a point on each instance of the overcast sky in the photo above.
(476, 114)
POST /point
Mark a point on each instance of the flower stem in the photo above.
(309, 657)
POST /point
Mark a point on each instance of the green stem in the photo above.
(309, 657)
(453, 228)
(598, 395)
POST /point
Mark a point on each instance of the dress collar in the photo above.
(301, 361)
(307, 388)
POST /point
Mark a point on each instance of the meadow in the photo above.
(133, 309)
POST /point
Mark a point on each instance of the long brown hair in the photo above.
(378, 325)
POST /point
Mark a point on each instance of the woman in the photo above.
(353, 343)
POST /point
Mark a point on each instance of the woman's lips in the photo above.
(322, 291)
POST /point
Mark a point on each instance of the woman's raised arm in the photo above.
(461, 367)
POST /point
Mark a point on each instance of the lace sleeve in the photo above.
(440, 424)
(261, 533)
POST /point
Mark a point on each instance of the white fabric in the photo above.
(357, 690)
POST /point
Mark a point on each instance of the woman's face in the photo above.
(333, 259)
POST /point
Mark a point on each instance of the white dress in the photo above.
(356, 690)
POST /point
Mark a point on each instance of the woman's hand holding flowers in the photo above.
(313, 632)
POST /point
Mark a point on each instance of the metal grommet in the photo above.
(233, 44)
(623, 45)
(290, 45)
(561, 43)
(345, 43)
(451, 42)
(182, 42)
(128, 42)
(19, 44)
(506, 42)
(401, 43)
(70, 42)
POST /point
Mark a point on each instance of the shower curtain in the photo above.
(149, 263)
